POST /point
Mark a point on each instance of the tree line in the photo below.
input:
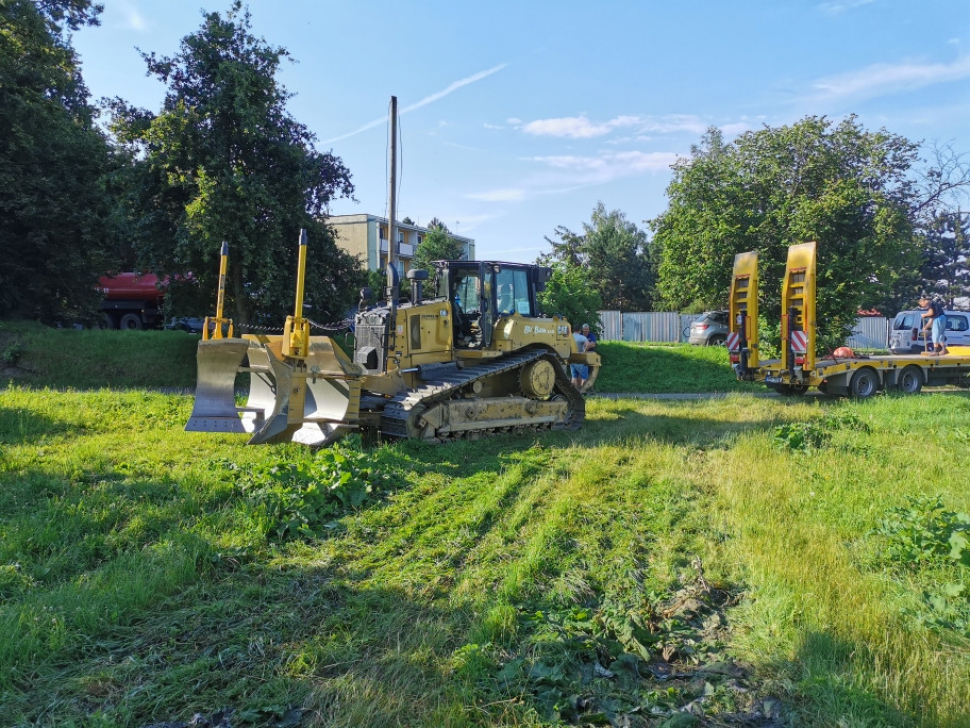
(86, 189)
(159, 190)
(886, 221)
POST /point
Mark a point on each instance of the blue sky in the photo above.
(518, 117)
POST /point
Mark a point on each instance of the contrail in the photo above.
(425, 101)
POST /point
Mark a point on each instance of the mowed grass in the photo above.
(635, 368)
(140, 584)
(166, 359)
(38, 356)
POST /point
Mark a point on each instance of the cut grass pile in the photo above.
(675, 563)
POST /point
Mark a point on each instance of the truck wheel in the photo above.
(130, 322)
(107, 322)
(910, 380)
(864, 384)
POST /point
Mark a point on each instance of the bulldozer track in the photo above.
(401, 409)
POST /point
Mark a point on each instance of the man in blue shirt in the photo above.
(585, 341)
(936, 322)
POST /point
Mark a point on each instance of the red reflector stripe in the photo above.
(735, 359)
(799, 360)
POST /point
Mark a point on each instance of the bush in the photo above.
(301, 498)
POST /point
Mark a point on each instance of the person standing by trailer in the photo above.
(579, 372)
(935, 325)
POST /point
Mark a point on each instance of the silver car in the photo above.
(906, 336)
(711, 329)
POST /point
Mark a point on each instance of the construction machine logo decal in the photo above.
(562, 330)
(540, 330)
(400, 328)
(444, 313)
(527, 330)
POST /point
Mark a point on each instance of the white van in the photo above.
(906, 336)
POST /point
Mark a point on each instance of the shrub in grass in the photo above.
(817, 433)
(300, 498)
(924, 538)
(925, 531)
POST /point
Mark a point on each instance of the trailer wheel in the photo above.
(864, 384)
(130, 322)
(910, 380)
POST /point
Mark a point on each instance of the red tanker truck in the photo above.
(131, 300)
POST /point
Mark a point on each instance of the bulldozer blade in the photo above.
(215, 410)
(326, 386)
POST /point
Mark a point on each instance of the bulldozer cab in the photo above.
(482, 293)
(467, 287)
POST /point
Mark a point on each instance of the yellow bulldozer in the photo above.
(471, 359)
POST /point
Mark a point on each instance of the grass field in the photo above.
(34, 355)
(729, 561)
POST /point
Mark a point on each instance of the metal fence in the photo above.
(871, 332)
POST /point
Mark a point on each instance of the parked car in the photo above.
(188, 324)
(711, 329)
(906, 335)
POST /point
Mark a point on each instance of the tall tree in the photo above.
(54, 222)
(224, 160)
(569, 294)
(845, 187)
(612, 254)
(617, 260)
(946, 251)
(437, 244)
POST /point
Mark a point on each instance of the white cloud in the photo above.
(576, 127)
(733, 130)
(564, 173)
(492, 126)
(580, 127)
(884, 78)
(612, 165)
(837, 7)
(133, 19)
(425, 101)
(513, 121)
(506, 195)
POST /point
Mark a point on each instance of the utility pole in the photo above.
(392, 192)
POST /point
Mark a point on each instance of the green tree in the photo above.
(946, 251)
(612, 254)
(224, 160)
(846, 188)
(568, 293)
(437, 244)
(54, 215)
(617, 261)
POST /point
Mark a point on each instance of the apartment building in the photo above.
(365, 236)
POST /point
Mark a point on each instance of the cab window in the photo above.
(512, 292)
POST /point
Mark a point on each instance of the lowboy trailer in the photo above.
(799, 368)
